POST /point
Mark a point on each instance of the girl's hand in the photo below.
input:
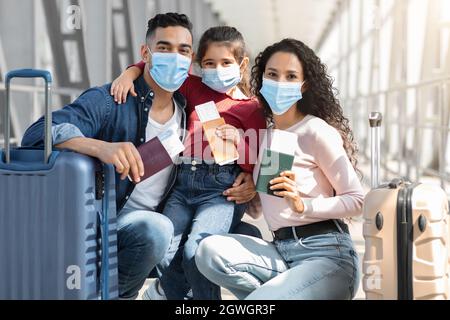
(228, 132)
(287, 188)
(124, 85)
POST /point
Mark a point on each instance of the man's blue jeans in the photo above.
(143, 240)
(197, 210)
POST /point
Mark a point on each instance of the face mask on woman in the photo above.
(281, 96)
(169, 70)
(222, 79)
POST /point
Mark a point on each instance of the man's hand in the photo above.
(124, 156)
(243, 189)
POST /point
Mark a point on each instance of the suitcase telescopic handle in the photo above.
(375, 119)
(29, 73)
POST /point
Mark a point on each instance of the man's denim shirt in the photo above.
(95, 115)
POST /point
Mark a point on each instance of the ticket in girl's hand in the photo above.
(224, 151)
(207, 112)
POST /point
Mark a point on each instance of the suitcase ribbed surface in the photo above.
(429, 259)
(49, 232)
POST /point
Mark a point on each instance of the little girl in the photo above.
(197, 206)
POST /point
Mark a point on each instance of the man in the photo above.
(95, 125)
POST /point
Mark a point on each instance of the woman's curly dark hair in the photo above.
(319, 99)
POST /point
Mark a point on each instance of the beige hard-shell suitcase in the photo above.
(406, 232)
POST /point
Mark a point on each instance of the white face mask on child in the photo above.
(222, 79)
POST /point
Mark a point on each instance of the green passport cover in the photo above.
(272, 165)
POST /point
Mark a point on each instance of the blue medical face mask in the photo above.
(222, 79)
(281, 96)
(169, 70)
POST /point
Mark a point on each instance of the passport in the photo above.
(224, 151)
(273, 163)
(157, 153)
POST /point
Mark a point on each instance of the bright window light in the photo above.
(445, 11)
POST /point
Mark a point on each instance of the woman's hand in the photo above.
(124, 84)
(286, 187)
(243, 189)
(228, 132)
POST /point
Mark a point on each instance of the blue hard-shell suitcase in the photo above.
(58, 236)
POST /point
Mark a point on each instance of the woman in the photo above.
(312, 255)
(198, 206)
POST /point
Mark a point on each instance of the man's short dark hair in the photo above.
(170, 19)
